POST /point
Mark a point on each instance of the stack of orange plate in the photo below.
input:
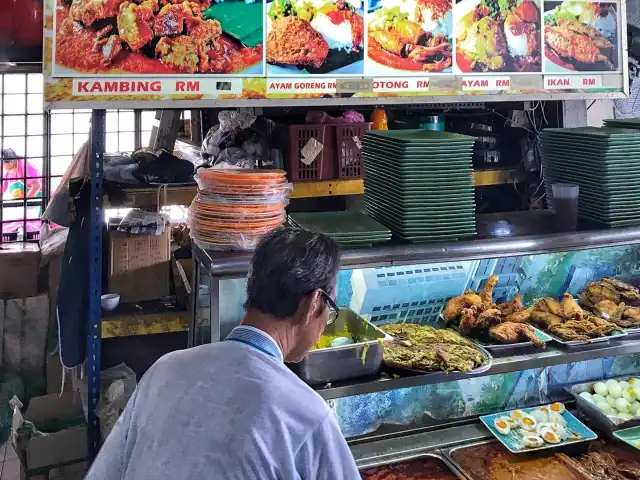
(235, 208)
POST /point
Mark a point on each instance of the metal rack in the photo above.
(94, 319)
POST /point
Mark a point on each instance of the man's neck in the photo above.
(276, 329)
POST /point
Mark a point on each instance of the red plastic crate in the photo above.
(349, 149)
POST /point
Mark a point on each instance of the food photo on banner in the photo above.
(581, 37)
(315, 37)
(498, 36)
(158, 37)
(409, 36)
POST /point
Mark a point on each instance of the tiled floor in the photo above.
(10, 466)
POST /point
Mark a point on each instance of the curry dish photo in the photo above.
(498, 36)
(158, 37)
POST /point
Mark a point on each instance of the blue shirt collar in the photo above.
(256, 339)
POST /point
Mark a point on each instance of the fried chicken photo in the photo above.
(508, 332)
(293, 41)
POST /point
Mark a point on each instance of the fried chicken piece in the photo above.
(452, 310)
(487, 291)
(294, 41)
(605, 307)
(512, 306)
(477, 326)
(545, 320)
(519, 317)
(550, 305)
(631, 315)
(627, 292)
(570, 307)
(570, 332)
(508, 332)
(604, 326)
(110, 47)
(182, 52)
(88, 11)
(134, 24)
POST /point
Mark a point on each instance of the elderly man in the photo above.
(233, 410)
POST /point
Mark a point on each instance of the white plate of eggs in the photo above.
(616, 399)
(537, 428)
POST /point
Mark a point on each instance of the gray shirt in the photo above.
(224, 411)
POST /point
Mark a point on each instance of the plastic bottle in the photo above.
(379, 119)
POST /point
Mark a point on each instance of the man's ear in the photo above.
(310, 307)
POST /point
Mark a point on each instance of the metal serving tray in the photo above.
(583, 343)
(486, 365)
(502, 347)
(326, 365)
(419, 456)
(448, 454)
(596, 416)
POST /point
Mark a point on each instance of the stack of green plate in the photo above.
(604, 162)
(623, 123)
(350, 229)
(419, 183)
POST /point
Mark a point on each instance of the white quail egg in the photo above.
(557, 408)
(603, 405)
(533, 441)
(502, 426)
(629, 394)
(624, 416)
(614, 389)
(635, 406)
(597, 398)
(611, 401)
(557, 418)
(587, 396)
(624, 384)
(601, 388)
(550, 436)
(622, 405)
(527, 422)
(634, 382)
(540, 415)
(516, 414)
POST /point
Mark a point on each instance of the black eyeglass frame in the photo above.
(334, 310)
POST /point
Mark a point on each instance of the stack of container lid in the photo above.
(419, 183)
(623, 123)
(604, 162)
(234, 208)
(351, 229)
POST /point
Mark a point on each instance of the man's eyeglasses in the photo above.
(334, 310)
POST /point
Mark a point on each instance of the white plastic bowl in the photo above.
(110, 301)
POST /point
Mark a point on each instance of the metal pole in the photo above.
(96, 223)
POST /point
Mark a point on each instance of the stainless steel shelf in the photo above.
(552, 355)
(503, 235)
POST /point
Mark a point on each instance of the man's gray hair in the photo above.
(288, 264)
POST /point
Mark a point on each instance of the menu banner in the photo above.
(572, 82)
(478, 83)
(158, 86)
(154, 50)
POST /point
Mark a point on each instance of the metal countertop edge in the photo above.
(552, 355)
(230, 264)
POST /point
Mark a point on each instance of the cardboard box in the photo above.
(58, 448)
(139, 266)
(19, 269)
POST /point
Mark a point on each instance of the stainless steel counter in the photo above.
(399, 447)
(552, 355)
(499, 235)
